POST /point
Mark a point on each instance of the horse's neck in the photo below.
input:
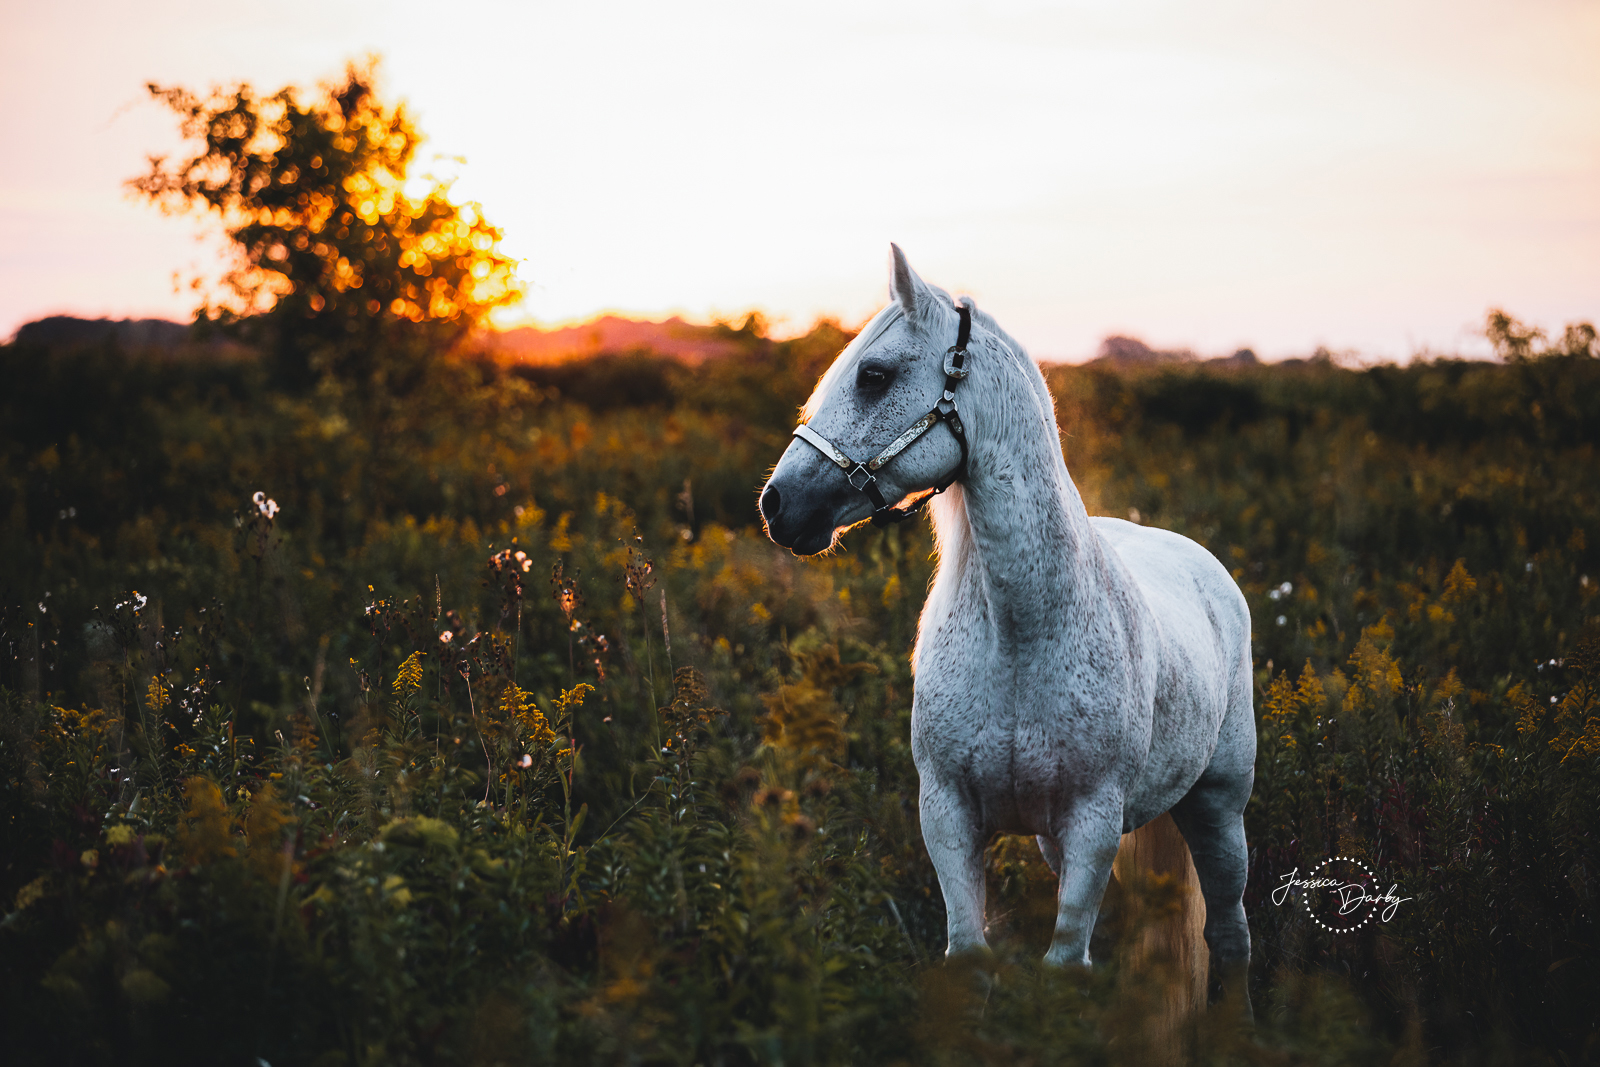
(1017, 541)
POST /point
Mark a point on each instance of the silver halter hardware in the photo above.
(862, 476)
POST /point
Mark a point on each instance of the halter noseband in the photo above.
(862, 476)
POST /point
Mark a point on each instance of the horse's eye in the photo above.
(871, 378)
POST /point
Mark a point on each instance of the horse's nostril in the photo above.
(770, 503)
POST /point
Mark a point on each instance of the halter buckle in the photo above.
(863, 474)
(955, 363)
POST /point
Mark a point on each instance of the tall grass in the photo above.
(400, 771)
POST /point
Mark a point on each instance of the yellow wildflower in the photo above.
(517, 706)
(205, 832)
(265, 827)
(34, 890)
(408, 679)
(1531, 714)
(1458, 584)
(573, 698)
(1280, 702)
(1375, 669)
(421, 830)
(1284, 701)
(1580, 728)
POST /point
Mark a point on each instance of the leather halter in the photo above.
(862, 476)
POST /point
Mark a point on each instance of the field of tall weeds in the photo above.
(482, 724)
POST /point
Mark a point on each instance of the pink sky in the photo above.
(1367, 176)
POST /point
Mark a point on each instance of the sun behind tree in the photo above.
(338, 270)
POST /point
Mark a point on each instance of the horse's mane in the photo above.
(986, 320)
(952, 535)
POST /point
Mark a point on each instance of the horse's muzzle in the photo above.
(803, 531)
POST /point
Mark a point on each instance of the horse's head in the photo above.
(892, 375)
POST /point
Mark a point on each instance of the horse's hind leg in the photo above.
(955, 845)
(1211, 819)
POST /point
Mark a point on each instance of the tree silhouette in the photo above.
(338, 269)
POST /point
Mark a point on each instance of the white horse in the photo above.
(1075, 677)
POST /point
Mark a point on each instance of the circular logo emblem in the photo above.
(1340, 894)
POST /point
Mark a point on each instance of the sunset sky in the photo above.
(1367, 176)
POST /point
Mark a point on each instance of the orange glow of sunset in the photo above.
(1370, 177)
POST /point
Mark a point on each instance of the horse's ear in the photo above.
(910, 291)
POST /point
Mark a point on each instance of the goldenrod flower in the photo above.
(408, 679)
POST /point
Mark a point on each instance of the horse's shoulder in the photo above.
(1164, 563)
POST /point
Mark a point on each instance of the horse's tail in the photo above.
(1166, 935)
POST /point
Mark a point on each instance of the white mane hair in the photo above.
(992, 405)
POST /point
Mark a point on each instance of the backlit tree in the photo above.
(338, 268)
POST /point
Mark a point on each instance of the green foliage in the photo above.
(303, 758)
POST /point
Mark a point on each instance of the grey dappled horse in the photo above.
(1076, 677)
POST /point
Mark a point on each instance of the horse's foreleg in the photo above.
(951, 830)
(1087, 845)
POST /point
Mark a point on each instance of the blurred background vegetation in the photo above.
(367, 699)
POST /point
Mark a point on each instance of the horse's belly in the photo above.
(1182, 746)
(1147, 805)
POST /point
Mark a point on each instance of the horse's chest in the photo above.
(1014, 733)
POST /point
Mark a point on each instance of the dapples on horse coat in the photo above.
(1075, 677)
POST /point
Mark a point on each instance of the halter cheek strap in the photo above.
(863, 476)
